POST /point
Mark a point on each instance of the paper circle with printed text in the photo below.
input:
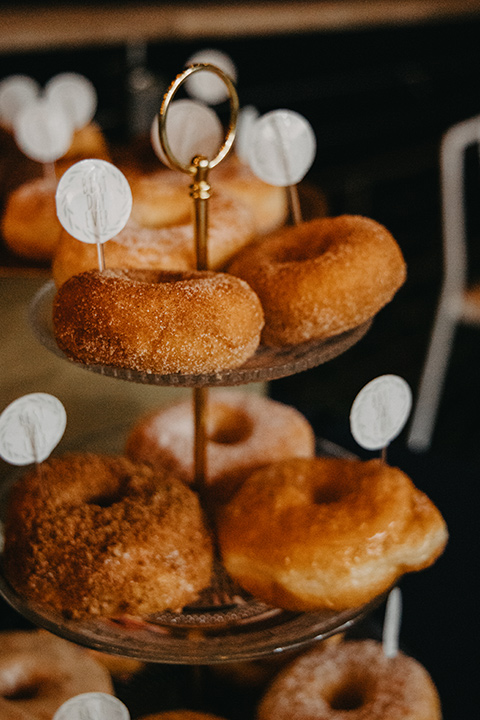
(92, 706)
(31, 427)
(380, 411)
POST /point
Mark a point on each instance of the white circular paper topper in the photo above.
(76, 93)
(30, 428)
(247, 117)
(43, 130)
(193, 129)
(92, 706)
(207, 86)
(93, 200)
(380, 411)
(282, 147)
(16, 91)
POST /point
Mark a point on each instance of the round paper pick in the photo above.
(43, 130)
(207, 86)
(16, 91)
(77, 95)
(282, 147)
(246, 120)
(30, 428)
(380, 411)
(92, 706)
(193, 130)
(392, 622)
(93, 200)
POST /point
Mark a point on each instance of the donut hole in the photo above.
(25, 691)
(327, 495)
(228, 426)
(109, 496)
(348, 696)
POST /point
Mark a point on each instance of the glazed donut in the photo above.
(40, 671)
(322, 277)
(158, 322)
(167, 246)
(90, 535)
(30, 226)
(354, 679)
(329, 533)
(244, 431)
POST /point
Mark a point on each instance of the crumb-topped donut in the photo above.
(321, 278)
(161, 239)
(40, 671)
(30, 226)
(353, 680)
(328, 533)
(244, 431)
(97, 535)
(158, 322)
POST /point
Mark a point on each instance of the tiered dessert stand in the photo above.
(226, 624)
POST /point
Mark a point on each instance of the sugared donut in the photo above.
(97, 535)
(158, 322)
(244, 431)
(30, 226)
(328, 533)
(321, 278)
(353, 680)
(161, 197)
(154, 241)
(40, 671)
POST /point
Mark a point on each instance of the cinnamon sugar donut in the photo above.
(158, 322)
(321, 278)
(161, 238)
(244, 432)
(328, 533)
(97, 535)
(30, 226)
(353, 680)
(39, 672)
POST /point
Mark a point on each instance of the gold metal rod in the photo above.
(295, 206)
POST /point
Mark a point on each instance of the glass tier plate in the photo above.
(224, 625)
(266, 364)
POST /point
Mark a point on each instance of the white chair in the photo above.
(458, 303)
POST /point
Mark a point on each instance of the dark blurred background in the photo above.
(379, 99)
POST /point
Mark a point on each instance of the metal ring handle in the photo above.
(170, 94)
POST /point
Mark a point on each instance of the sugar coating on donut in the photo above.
(30, 226)
(328, 533)
(321, 278)
(98, 535)
(39, 672)
(244, 432)
(353, 680)
(158, 322)
(169, 245)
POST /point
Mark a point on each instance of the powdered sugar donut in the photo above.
(244, 432)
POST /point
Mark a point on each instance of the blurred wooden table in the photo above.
(46, 27)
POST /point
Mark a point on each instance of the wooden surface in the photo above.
(45, 27)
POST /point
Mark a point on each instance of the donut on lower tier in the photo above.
(40, 671)
(158, 322)
(328, 533)
(101, 536)
(321, 278)
(159, 243)
(181, 715)
(353, 680)
(30, 226)
(244, 431)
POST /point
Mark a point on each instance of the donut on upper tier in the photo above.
(321, 278)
